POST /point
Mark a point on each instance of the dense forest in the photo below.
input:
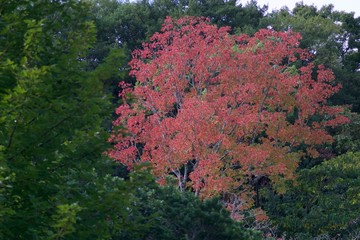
(178, 119)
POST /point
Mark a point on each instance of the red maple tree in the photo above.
(214, 110)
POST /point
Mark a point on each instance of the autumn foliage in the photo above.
(215, 110)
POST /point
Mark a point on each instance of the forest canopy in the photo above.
(248, 118)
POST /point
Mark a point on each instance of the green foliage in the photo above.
(240, 18)
(122, 24)
(138, 208)
(347, 138)
(131, 23)
(325, 201)
(184, 216)
(6, 180)
(65, 219)
(112, 208)
(52, 115)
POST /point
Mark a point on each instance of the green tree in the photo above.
(184, 216)
(228, 13)
(325, 201)
(156, 212)
(52, 111)
(122, 23)
(348, 71)
(347, 138)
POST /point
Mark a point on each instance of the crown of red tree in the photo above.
(213, 109)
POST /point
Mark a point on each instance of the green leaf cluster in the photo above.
(325, 201)
(52, 116)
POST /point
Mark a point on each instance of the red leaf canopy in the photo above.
(214, 110)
